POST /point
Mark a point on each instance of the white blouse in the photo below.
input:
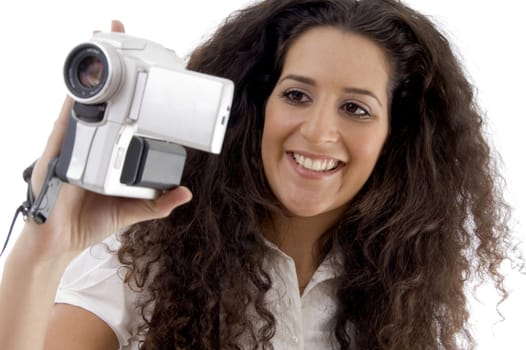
(94, 282)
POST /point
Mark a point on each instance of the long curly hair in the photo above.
(430, 218)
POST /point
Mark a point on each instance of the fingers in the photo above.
(59, 129)
(117, 26)
(53, 145)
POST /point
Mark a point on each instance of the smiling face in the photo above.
(326, 121)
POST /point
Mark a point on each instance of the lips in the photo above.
(320, 165)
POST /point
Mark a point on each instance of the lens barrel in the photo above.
(86, 71)
(93, 72)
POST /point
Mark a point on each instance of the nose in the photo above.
(320, 125)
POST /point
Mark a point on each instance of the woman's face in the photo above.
(325, 121)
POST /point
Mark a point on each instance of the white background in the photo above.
(35, 37)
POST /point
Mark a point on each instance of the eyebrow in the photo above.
(310, 81)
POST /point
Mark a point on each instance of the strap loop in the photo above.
(37, 209)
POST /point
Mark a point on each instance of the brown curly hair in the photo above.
(430, 218)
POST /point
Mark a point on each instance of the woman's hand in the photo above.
(81, 218)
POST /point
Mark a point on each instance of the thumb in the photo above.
(142, 210)
(172, 199)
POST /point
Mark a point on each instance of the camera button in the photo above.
(119, 158)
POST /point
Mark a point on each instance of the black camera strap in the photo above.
(37, 209)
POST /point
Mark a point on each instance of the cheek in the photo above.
(271, 132)
(268, 129)
(269, 118)
(279, 122)
(367, 144)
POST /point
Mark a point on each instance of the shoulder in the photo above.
(94, 281)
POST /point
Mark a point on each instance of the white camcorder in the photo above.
(135, 108)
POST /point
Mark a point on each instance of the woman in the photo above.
(354, 197)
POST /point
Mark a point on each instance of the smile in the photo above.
(318, 165)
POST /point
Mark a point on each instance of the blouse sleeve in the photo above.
(94, 282)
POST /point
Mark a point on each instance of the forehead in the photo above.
(336, 56)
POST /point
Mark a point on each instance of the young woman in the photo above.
(354, 197)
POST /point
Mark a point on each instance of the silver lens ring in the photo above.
(92, 72)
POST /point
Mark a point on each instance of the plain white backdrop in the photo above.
(37, 35)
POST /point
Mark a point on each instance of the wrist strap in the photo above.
(37, 209)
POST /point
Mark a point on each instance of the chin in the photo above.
(306, 211)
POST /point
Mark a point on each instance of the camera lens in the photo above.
(86, 71)
(90, 71)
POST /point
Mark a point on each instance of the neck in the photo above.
(298, 237)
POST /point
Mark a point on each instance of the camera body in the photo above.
(135, 108)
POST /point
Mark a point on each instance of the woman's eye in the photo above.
(296, 96)
(355, 110)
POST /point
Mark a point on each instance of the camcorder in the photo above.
(136, 108)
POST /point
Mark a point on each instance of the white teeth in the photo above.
(315, 165)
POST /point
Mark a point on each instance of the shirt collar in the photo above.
(330, 268)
